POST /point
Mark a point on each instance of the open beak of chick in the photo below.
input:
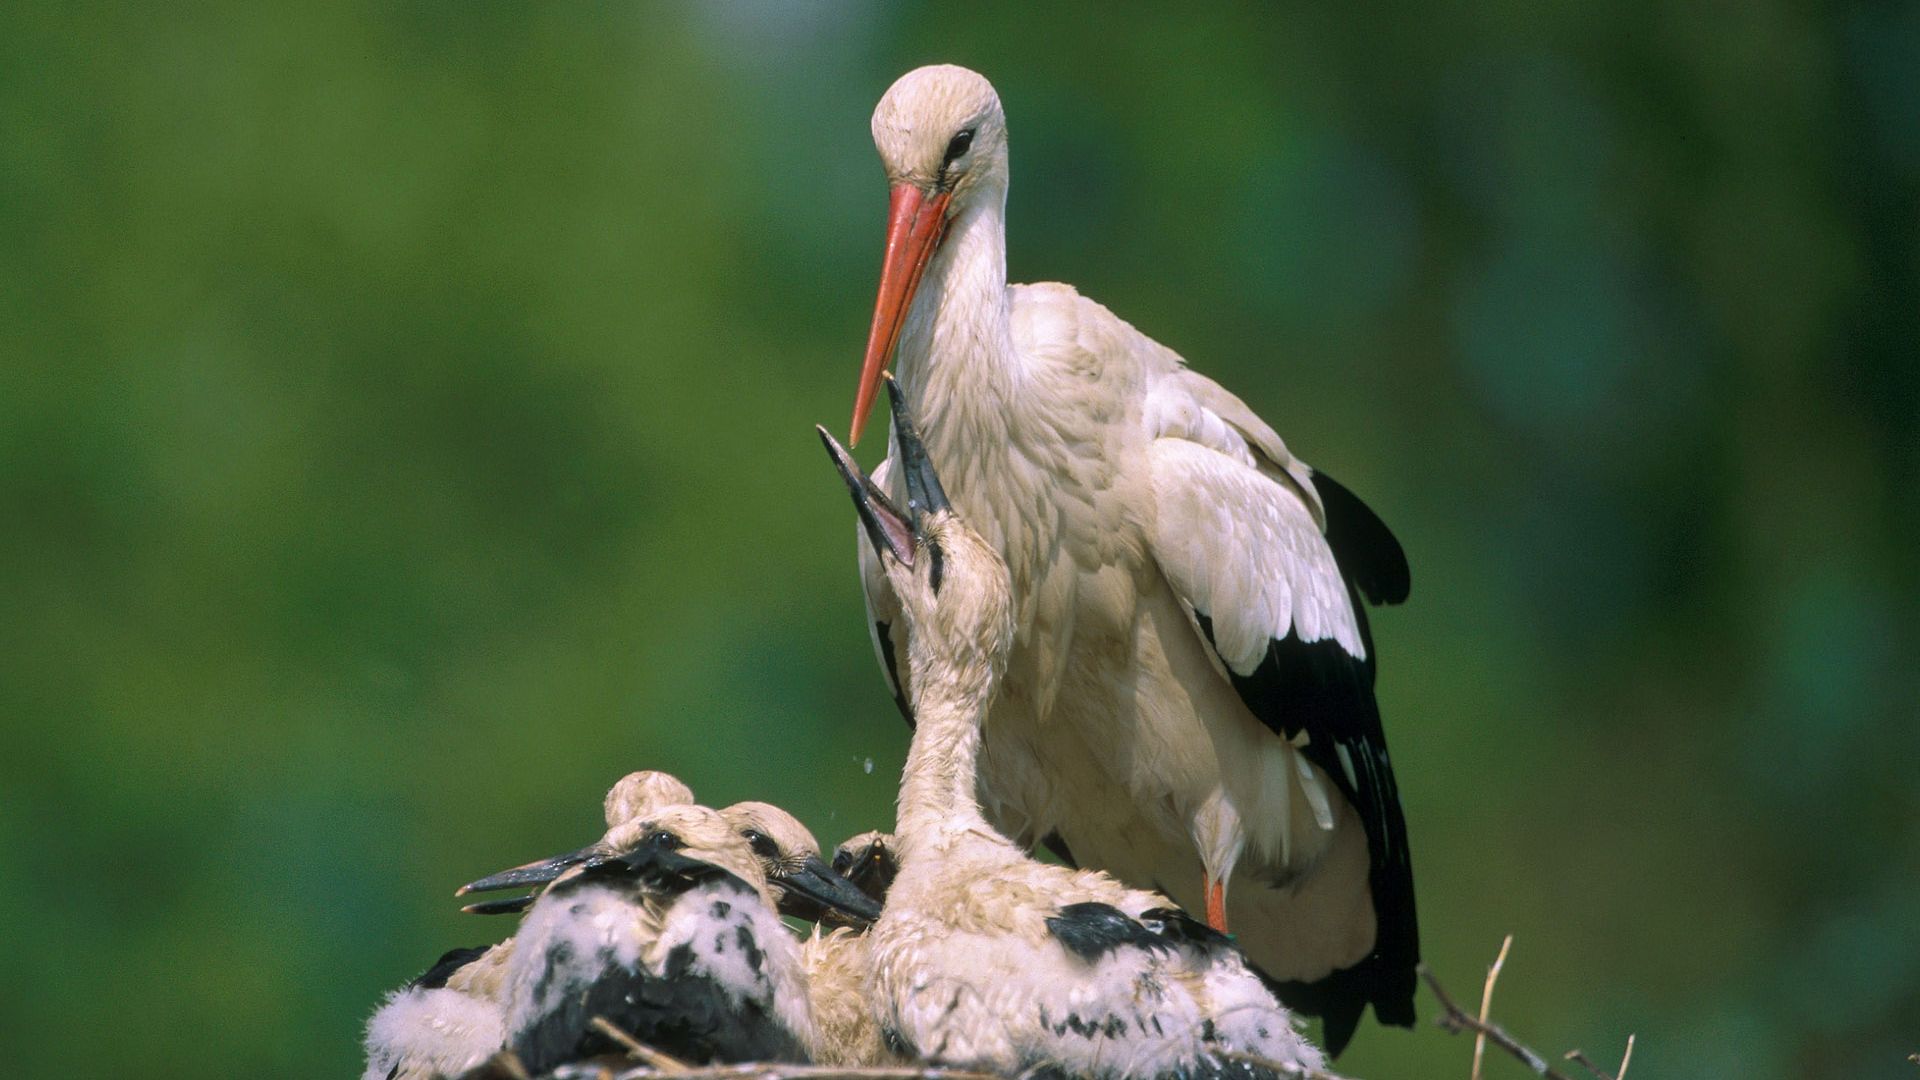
(892, 531)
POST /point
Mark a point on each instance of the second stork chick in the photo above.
(867, 861)
(804, 885)
(983, 957)
(835, 956)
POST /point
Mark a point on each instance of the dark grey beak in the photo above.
(533, 873)
(887, 528)
(512, 905)
(814, 891)
(924, 494)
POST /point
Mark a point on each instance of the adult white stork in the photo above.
(983, 957)
(1189, 700)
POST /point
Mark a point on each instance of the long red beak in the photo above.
(915, 224)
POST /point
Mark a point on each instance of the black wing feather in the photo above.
(1092, 930)
(1319, 689)
(450, 961)
(1370, 556)
(689, 1016)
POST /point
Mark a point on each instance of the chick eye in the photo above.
(665, 839)
(762, 844)
(958, 145)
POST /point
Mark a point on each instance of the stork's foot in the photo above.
(1217, 905)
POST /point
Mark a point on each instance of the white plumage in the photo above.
(639, 793)
(1189, 694)
(982, 957)
(443, 1023)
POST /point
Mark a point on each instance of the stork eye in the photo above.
(762, 844)
(958, 146)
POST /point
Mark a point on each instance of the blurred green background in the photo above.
(405, 430)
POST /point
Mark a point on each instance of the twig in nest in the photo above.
(1456, 1020)
(1580, 1058)
(1282, 1068)
(659, 1061)
(1486, 1003)
(777, 1071)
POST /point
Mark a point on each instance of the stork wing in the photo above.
(1270, 559)
(889, 633)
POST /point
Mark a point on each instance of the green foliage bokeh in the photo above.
(405, 430)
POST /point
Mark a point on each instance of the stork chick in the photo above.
(796, 879)
(450, 1018)
(674, 940)
(643, 792)
(983, 957)
(867, 861)
(444, 1022)
(804, 885)
(835, 955)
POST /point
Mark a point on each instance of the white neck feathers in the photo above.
(960, 315)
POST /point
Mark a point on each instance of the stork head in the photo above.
(640, 792)
(943, 140)
(762, 845)
(698, 832)
(868, 860)
(633, 796)
(954, 588)
(804, 886)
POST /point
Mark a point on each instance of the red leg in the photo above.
(1217, 905)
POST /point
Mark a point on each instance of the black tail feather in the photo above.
(1368, 553)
